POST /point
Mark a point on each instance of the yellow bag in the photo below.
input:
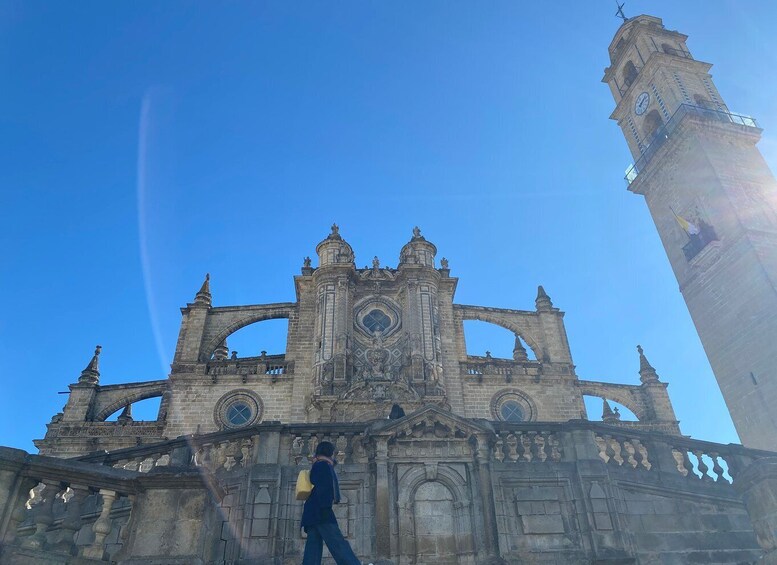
(304, 486)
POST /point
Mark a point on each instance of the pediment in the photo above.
(430, 422)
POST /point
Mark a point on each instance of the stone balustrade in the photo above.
(515, 443)
(623, 450)
(271, 365)
(111, 506)
(63, 508)
(348, 446)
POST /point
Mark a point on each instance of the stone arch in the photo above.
(616, 393)
(651, 124)
(500, 320)
(630, 73)
(116, 402)
(439, 477)
(222, 324)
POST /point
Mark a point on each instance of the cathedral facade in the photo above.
(360, 340)
(444, 457)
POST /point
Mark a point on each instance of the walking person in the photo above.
(318, 519)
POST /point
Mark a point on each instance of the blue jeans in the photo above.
(331, 535)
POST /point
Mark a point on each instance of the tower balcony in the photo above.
(666, 130)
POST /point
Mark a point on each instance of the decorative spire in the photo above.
(542, 302)
(91, 374)
(519, 351)
(221, 352)
(647, 374)
(417, 233)
(203, 296)
(608, 414)
(126, 415)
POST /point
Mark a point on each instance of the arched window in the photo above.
(630, 73)
(651, 125)
(702, 102)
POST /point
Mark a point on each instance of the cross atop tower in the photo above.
(619, 13)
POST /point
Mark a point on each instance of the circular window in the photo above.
(512, 405)
(376, 321)
(510, 411)
(239, 413)
(238, 409)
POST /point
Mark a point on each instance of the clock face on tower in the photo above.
(643, 101)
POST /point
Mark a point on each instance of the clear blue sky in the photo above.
(484, 123)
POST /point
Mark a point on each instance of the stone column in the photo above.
(382, 503)
(758, 486)
(483, 471)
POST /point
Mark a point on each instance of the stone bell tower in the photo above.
(714, 202)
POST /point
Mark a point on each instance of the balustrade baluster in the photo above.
(43, 516)
(102, 527)
(297, 447)
(601, 443)
(512, 447)
(631, 451)
(717, 468)
(701, 465)
(498, 449)
(525, 445)
(313, 441)
(684, 464)
(642, 454)
(555, 452)
(609, 449)
(340, 445)
(71, 523)
(22, 511)
(539, 441)
(221, 454)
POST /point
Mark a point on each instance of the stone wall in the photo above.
(431, 486)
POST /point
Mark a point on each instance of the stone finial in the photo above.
(416, 232)
(306, 262)
(375, 262)
(519, 351)
(608, 414)
(335, 232)
(647, 374)
(91, 374)
(444, 263)
(221, 352)
(542, 302)
(126, 415)
(203, 295)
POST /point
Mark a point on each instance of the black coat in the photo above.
(326, 492)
